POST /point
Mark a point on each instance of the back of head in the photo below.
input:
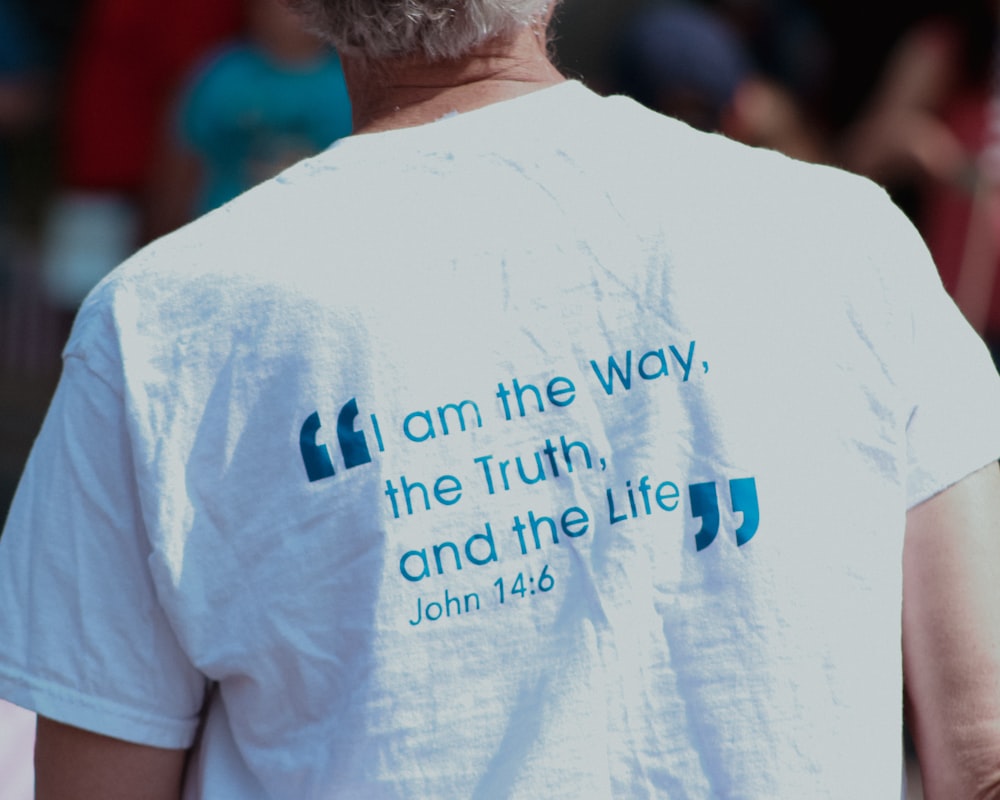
(383, 30)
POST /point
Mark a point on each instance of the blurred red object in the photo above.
(129, 58)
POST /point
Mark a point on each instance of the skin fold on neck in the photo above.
(401, 94)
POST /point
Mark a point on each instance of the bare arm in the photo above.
(951, 637)
(73, 764)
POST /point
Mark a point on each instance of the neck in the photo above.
(400, 94)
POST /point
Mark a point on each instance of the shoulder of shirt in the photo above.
(733, 160)
(631, 143)
(731, 180)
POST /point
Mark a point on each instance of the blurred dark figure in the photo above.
(130, 56)
(256, 106)
(22, 97)
(683, 61)
(787, 43)
(977, 284)
(24, 85)
(923, 133)
(689, 62)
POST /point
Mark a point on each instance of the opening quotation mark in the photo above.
(315, 457)
(705, 504)
(353, 445)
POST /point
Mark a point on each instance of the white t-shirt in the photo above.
(548, 450)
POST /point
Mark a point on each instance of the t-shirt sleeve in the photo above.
(951, 384)
(84, 639)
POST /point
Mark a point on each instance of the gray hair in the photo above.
(434, 29)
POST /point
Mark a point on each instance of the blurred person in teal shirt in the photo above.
(255, 107)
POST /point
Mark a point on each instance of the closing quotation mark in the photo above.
(705, 504)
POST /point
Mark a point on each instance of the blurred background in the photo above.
(123, 119)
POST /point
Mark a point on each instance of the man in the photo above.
(524, 444)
